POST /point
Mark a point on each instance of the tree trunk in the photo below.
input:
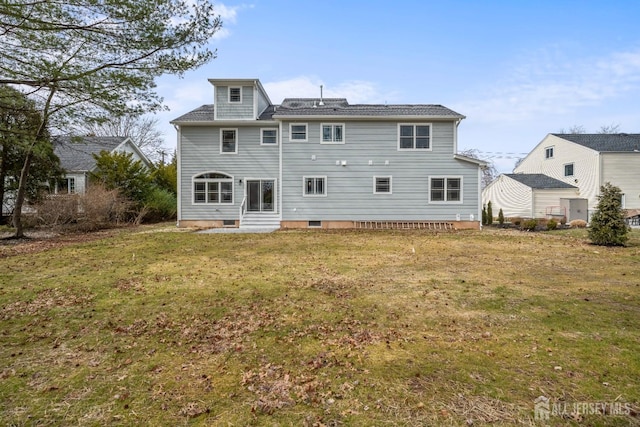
(3, 174)
(24, 173)
(22, 189)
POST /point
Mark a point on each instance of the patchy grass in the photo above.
(319, 328)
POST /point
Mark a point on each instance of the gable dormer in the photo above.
(239, 99)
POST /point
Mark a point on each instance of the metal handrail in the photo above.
(243, 207)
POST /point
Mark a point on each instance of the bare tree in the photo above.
(573, 130)
(143, 131)
(610, 129)
(579, 129)
(489, 173)
(97, 59)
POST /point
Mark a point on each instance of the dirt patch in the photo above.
(41, 240)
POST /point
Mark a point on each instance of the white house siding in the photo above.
(585, 165)
(513, 197)
(225, 110)
(200, 153)
(350, 188)
(623, 170)
(80, 181)
(547, 200)
(128, 148)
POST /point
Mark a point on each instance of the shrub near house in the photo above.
(608, 225)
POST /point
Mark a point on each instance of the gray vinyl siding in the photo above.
(350, 188)
(262, 103)
(200, 153)
(226, 110)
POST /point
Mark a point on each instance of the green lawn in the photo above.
(350, 328)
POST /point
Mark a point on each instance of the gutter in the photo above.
(360, 117)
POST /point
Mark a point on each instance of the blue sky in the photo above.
(516, 69)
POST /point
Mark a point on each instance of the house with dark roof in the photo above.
(587, 161)
(244, 161)
(534, 195)
(76, 158)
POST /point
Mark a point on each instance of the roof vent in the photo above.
(321, 101)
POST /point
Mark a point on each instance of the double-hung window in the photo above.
(445, 189)
(228, 141)
(381, 185)
(332, 133)
(298, 132)
(314, 186)
(268, 136)
(213, 188)
(548, 153)
(235, 95)
(414, 137)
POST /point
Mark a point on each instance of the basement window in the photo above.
(315, 224)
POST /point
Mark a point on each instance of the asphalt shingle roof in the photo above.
(340, 107)
(76, 153)
(204, 113)
(332, 107)
(538, 180)
(602, 142)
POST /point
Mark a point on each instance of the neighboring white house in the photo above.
(587, 161)
(76, 158)
(245, 162)
(534, 196)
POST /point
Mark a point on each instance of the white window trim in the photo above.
(430, 125)
(306, 132)
(390, 184)
(553, 152)
(262, 140)
(446, 202)
(70, 182)
(332, 142)
(221, 133)
(304, 186)
(194, 179)
(229, 94)
(573, 169)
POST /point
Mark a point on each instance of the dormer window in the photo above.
(235, 94)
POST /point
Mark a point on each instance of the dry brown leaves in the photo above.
(44, 301)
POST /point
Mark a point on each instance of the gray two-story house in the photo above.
(245, 162)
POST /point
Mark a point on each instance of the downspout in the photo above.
(179, 176)
(455, 136)
(281, 208)
(479, 217)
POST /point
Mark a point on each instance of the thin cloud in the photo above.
(546, 85)
(229, 16)
(356, 91)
